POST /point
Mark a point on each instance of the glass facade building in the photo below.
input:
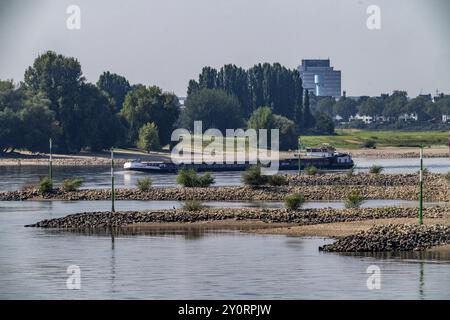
(331, 79)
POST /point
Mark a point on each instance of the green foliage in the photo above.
(262, 85)
(144, 184)
(215, 108)
(375, 169)
(45, 185)
(294, 201)
(277, 180)
(345, 107)
(71, 184)
(308, 120)
(115, 86)
(145, 105)
(353, 200)
(324, 124)
(148, 137)
(263, 118)
(447, 177)
(369, 144)
(192, 205)
(190, 179)
(253, 177)
(311, 171)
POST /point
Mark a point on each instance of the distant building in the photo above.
(320, 78)
(446, 118)
(408, 117)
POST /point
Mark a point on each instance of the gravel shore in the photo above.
(392, 238)
(325, 187)
(93, 220)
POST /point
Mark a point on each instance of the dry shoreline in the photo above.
(398, 225)
(122, 156)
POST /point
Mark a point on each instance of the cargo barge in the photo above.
(324, 158)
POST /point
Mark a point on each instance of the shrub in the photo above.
(148, 137)
(425, 171)
(45, 185)
(311, 171)
(253, 177)
(277, 180)
(71, 184)
(192, 205)
(190, 179)
(294, 201)
(447, 177)
(353, 200)
(144, 184)
(369, 144)
(376, 169)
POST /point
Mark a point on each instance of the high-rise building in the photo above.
(320, 78)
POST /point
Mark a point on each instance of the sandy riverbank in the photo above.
(80, 159)
(122, 156)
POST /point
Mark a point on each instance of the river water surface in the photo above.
(194, 264)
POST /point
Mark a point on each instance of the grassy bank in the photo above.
(354, 139)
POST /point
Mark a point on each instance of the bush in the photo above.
(369, 144)
(45, 185)
(253, 177)
(192, 205)
(353, 200)
(277, 180)
(447, 177)
(144, 184)
(424, 171)
(190, 179)
(294, 201)
(376, 169)
(311, 171)
(72, 184)
(148, 137)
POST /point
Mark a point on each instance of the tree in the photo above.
(143, 105)
(345, 108)
(149, 137)
(59, 79)
(262, 85)
(395, 104)
(325, 105)
(36, 123)
(214, 107)
(263, 118)
(308, 119)
(418, 106)
(288, 132)
(324, 124)
(115, 86)
(99, 127)
(25, 119)
(371, 107)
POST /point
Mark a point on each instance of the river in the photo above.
(194, 265)
(13, 178)
(199, 264)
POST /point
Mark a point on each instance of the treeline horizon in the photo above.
(55, 101)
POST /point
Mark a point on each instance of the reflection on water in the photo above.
(197, 264)
(13, 178)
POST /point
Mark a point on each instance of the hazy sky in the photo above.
(167, 42)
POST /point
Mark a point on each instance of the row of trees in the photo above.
(55, 100)
(388, 106)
